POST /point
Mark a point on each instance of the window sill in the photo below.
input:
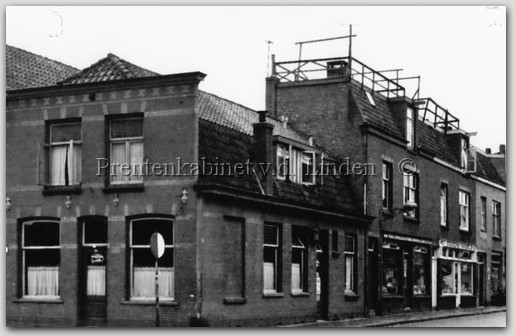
(351, 296)
(497, 238)
(49, 190)
(298, 294)
(411, 219)
(273, 295)
(444, 227)
(149, 303)
(122, 188)
(234, 300)
(38, 300)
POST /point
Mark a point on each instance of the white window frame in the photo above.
(147, 246)
(276, 248)
(463, 153)
(409, 192)
(464, 202)
(307, 157)
(133, 177)
(410, 127)
(24, 265)
(350, 277)
(299, 245)
(283, 168)
(496, 219)
(387, 184)
(71, 144)
(444, 204)
(483, 213)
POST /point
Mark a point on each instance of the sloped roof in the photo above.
(240, 118)
(487, 170)
(108, 68)
(222, 144)
(435, 143)
(27, 70)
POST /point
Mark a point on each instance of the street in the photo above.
(483, 320)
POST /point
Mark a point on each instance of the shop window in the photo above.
(387, 186)
(350, 263)
(464, 199)
(271, 259)
(496, 219)
(299, 257)
(466, 278)
(420, 266)
(126, 150)
(41, 254)
(448, 276)
(142, 262)
(391, 272)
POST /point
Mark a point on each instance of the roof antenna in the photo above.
(268, 58)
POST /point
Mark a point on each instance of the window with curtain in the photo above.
(299, 256)
(466, 278)
(350, 263)
(443, 204)
(65, 154)
(41, 253)
(271, 259)
(496, 219)
(94, 235)
(483, 213)
(142, 262)
(126, 150)
(391, 272)
(420, 277)
(410, 189)
(464, 199)
(387, 186)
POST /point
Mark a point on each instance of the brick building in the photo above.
(425, 246)
(255, 247)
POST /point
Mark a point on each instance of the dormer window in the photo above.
(464, 148)
(410, 127)
(296, 165)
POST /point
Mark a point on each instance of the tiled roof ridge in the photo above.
(119, 65)
(46, 58)
(84, 71)
(122, 63)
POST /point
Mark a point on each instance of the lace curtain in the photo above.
(43, 280)
(144, 282)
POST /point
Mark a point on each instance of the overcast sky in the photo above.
(460, 52)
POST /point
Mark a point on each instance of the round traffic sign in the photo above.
(157, 245)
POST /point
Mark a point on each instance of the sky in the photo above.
(459, 52)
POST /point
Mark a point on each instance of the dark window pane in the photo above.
(125, 128)
(46, 257)
(65, 132)
(349, 244)
(142, 257)
(270, 235)
(95, 232)
(142, 230)
(269, 254)
(296, 255)
(41, 234)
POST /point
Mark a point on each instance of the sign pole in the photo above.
(157, 294)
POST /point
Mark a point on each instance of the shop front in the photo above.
(405, 273)
(457, 275)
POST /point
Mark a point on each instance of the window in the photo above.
(464, 198)
(391, 274)
(410, 127)
(466, 278)
(463, 155)
(496, 273)
(299, 257)
(94, 237)
(234, 255)
(419, 270)
(496, 219)
(350, 263)
(126, 150)
(483, 213)
(448, 276)
(334, 241)
(370, 98)
(65, 154)
(443, 204)
(283, 162)
(308, 164)
(411, 193)
(387, 186)
(41, 254)
(271, 259)
(142, 262)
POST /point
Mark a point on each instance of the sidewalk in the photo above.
(389, 320)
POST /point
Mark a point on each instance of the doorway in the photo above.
(93, 271)
(322, 275)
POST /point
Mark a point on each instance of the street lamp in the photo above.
(408, 206)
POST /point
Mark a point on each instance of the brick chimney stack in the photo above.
(264, 152)
(502, 149)
(488, 151)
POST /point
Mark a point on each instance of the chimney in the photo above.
(264, 153)
(488, 151)
(502, 149)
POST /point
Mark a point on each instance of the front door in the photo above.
(93, 272)
(322, 275)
